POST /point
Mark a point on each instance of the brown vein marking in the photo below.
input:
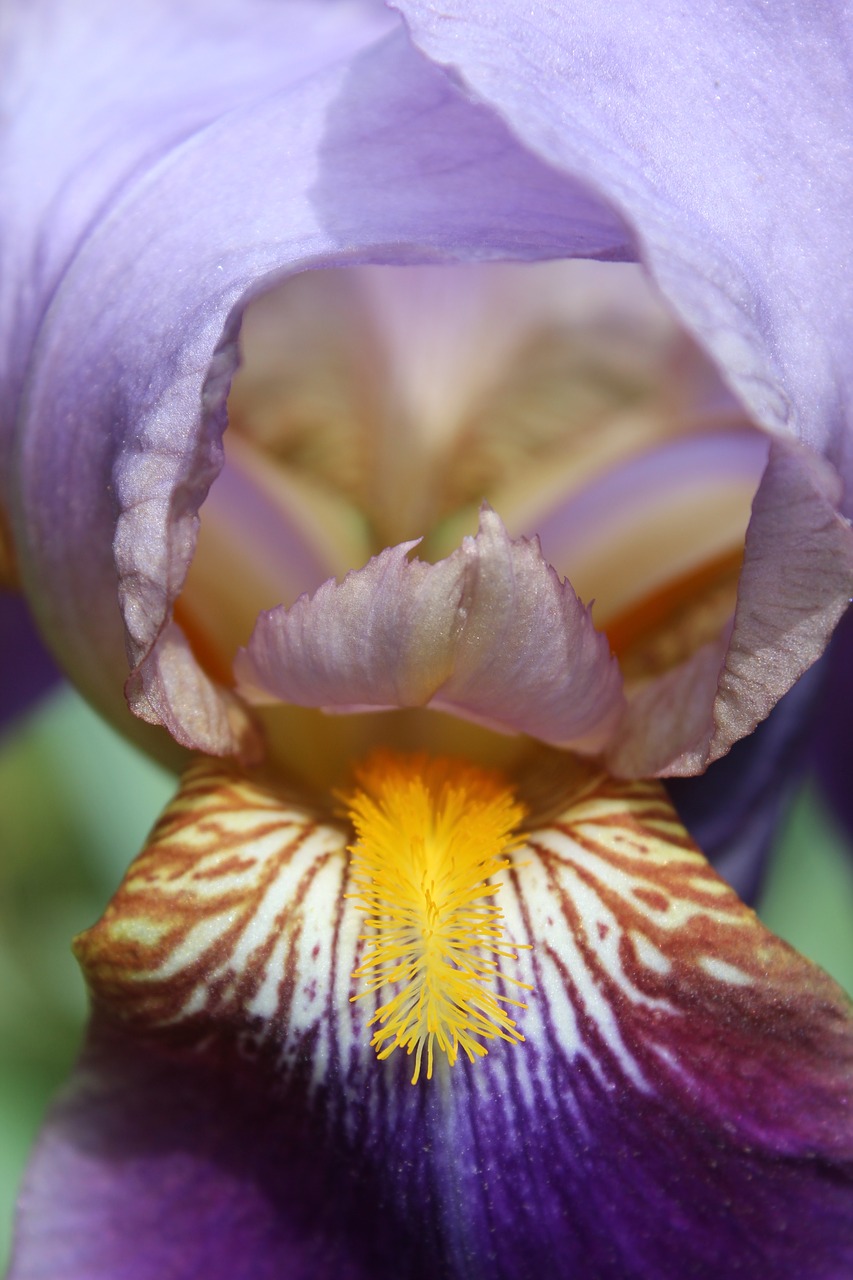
(729, 1045)
(653, 898)
(171, 889)
(633, 821)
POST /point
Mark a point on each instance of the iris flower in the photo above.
(420, 974)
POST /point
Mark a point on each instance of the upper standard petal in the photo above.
(116, 389)
(722, 135)
(120, 318)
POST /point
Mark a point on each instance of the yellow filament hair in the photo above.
(431, 834)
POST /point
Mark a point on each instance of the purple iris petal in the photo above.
(120, 429)
(733, 810)
(678, 1106)
(720, 132)
(167, 194)
(153, 1168)
(28, 669)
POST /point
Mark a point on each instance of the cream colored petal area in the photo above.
(266, 536)
(656, 517)
(438, 337)
(491, 633)
(447, 334)
(419, 391)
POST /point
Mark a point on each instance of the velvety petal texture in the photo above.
(490, 633)
(680, 1105)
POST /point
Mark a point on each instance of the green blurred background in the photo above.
(76, 803)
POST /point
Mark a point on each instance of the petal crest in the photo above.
(490, 633)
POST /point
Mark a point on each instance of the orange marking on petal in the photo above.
(669, 625)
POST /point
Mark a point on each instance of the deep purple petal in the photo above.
(152, 219)
(490, 633)
(152, 1169)
(834, 745)
(28, 670)
(720, 133)
(155, 1169)
(733, 810)
(680, 1107)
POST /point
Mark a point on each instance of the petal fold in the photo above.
(720, 134)
(116, 371)
(490, 633)
(795, 586)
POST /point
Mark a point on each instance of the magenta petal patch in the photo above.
(491, 634)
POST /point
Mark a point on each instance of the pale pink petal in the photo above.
(173, 690)
(490, 633)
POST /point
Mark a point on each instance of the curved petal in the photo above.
(680, 1105)
(117, 369)
(490, 633)
(696, 143)
(795, 586)
(733, 810)
(721, 135)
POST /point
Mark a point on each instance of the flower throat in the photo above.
(431, 835)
